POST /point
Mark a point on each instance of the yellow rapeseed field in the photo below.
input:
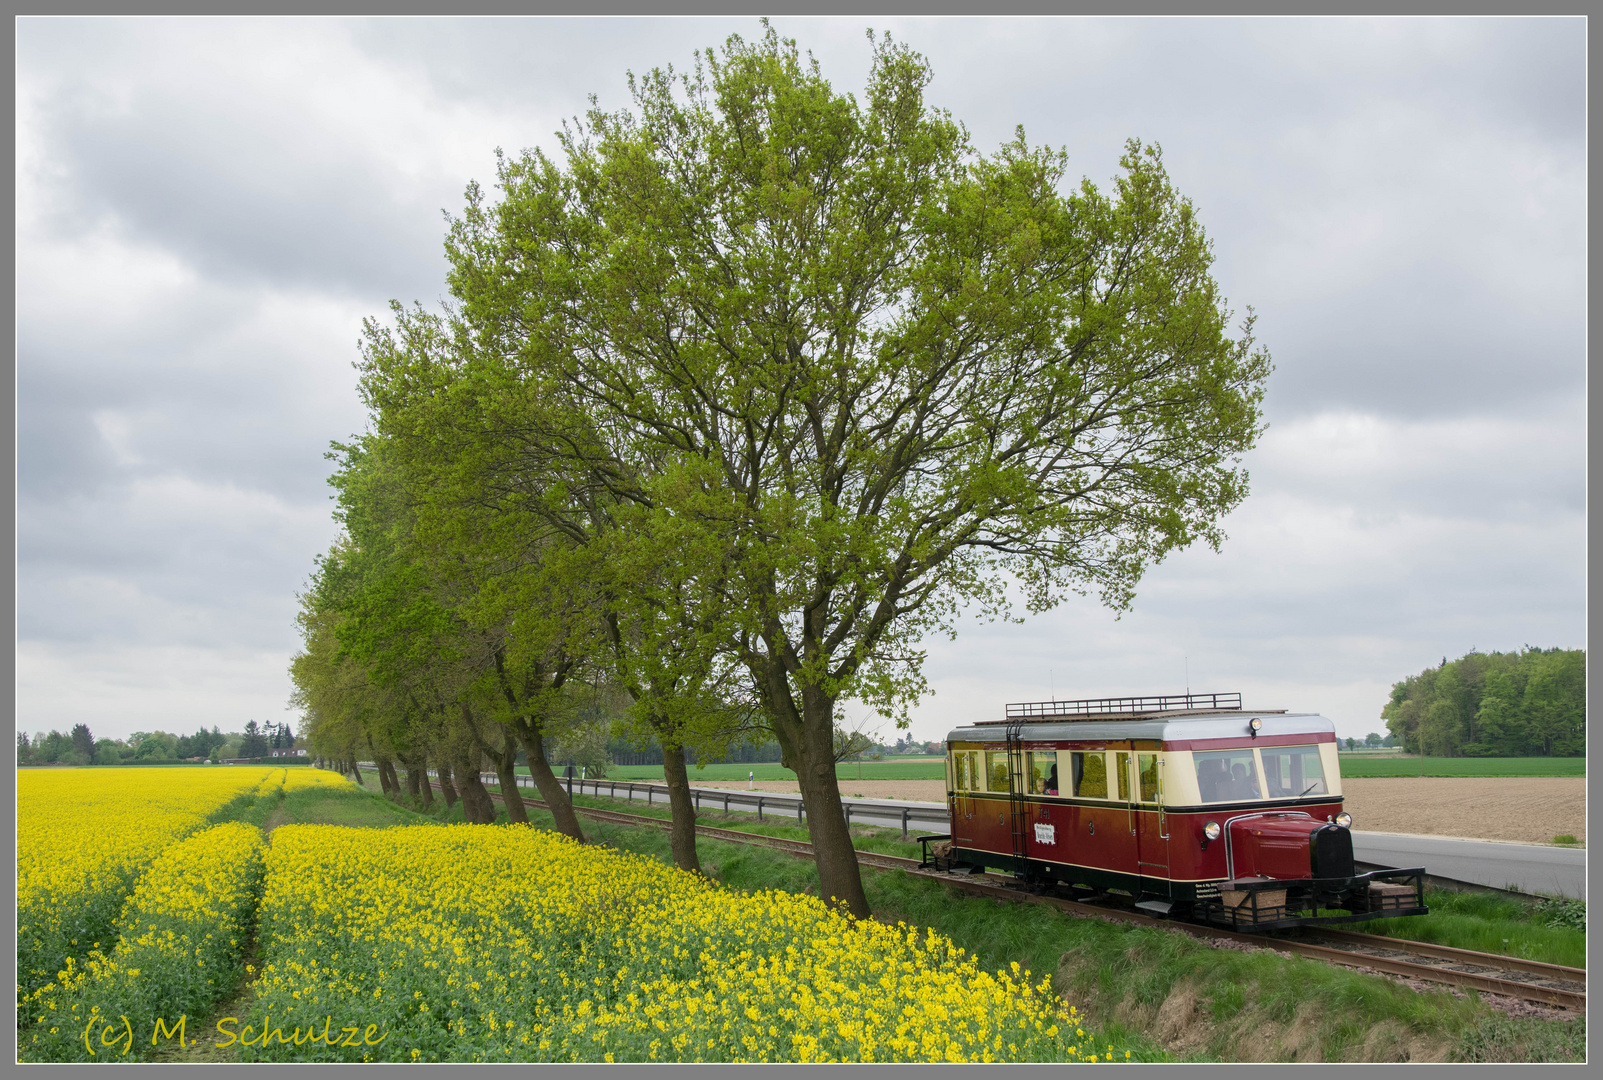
(180, 939)
(458, 943)
(493, 943)
(85, 836)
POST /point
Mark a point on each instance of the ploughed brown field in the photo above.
(1526, 809)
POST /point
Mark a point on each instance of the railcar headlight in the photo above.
(1212, 830)
(1255, 725)
(1344, 819)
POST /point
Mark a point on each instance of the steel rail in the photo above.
(1446, 952)
(1002, 889)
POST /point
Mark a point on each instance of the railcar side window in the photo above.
(1043, 773)
(1147, 766)
(1090, 775)
(1123, 763)
(997, 773)
(1291, 772)
(960, 771)
(1226, 775)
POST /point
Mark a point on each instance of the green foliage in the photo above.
(792, 377)
(52, 749)
(254, 744)
(1532, 702)
(587, 747)
(1563, 912)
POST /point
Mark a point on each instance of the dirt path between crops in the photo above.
(1525, 809)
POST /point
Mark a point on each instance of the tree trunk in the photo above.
(423, 786)
(682, 834)
(507, 772)
(411, 779)
(807, 739)
(504, 760)
(556, 799)
(356, 772)
(386, 772)
(446, 788)
(476, 802)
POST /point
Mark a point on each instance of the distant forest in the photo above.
(1526, 704)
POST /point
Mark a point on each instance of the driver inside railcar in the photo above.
(1243, 785)
(1226, 776)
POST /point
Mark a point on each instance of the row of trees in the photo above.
(80, 747)
(738, 402)
(1373, 741)
(1526, 703)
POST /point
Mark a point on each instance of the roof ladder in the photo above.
(1017, 790)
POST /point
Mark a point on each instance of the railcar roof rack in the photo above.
(1123, 707)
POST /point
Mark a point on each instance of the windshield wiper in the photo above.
(1309, 788)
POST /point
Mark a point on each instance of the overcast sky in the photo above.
(207, 209)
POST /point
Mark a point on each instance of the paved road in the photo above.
(1532, 868)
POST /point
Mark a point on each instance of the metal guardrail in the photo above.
(1101, 706)
(762, 802)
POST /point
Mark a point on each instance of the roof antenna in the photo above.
(1051, 685)
(1188, 676)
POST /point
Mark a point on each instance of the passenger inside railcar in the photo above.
(1052, 780)
(1226, 776)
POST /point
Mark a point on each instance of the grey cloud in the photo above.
(1401, 201)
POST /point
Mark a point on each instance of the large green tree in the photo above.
(1531, 702)
(878, 375)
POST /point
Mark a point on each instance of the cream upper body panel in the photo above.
(1183, 775)
(1162, 729)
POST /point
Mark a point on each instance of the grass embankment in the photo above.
(1358, 766)
(1550, 931)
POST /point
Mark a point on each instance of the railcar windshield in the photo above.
(1290, 772)
(1227, 776)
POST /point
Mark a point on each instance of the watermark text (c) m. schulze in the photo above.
(113, 1034)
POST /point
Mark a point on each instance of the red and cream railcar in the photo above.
(1194, 806)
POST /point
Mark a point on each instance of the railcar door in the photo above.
(966, 770)
(1151, 824)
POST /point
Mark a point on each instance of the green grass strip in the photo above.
(1359, 766)
(1552, 932)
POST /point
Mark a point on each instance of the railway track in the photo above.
(1528, 980)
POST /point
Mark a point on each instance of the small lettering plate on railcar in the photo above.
(1045, 834)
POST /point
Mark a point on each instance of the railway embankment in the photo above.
(1187, 998)
(1179, 997)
